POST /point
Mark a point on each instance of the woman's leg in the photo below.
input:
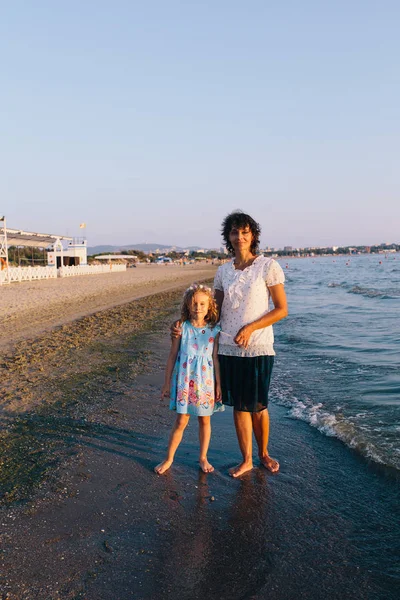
(261, 431)
(174, 440)
(244, 432)
(204, 437)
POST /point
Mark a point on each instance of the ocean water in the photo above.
(338, 352)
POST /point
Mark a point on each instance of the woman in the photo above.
(243, 287)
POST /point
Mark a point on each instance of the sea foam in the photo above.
(335, 425)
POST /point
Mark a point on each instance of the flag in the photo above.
(82, 226)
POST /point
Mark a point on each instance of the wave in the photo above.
(386, 294)
(335, 425)
(291, 338)
(374, 293)
(333, 284)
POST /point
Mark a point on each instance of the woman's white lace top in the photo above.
(246, 298)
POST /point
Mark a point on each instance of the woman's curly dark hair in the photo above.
(241, 220)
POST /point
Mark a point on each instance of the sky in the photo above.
(151, 121)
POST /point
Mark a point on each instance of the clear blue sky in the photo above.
(150, 121)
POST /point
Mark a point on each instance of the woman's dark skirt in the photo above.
(245, 381)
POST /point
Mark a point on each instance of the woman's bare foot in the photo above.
(163, 466)
(269, 463)
(205, 466)
(240, 469)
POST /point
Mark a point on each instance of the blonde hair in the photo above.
(212, 315)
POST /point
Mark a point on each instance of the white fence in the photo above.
(17, 274)
(89, 270)
(27, 274)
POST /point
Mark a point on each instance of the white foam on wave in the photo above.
(316, 416)
(332, 425)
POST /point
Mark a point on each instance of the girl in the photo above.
(192, 366)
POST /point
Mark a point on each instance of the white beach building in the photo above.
(74, 255)
(61, 262)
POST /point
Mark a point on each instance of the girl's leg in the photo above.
(261, 431)
(204, 437)
(244, 432)
(174, 440)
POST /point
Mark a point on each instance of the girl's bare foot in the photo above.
(269, 463)
(240, 469)
(163, 466)
(205, 466)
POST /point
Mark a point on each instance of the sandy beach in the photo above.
(29, 308)
(83, 516)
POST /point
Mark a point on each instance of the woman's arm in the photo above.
(219, 298)
(280, 311)
(217, 372)
(173, 353)
(176, 330)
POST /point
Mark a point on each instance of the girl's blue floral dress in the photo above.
(192, 382)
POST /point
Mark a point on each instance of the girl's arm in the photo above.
(217, 372)
(280, 311)
(173, 353)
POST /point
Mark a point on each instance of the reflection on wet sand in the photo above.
(223, 548)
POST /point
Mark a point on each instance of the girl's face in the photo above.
(241, 238)
(199, 306)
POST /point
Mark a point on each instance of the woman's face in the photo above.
(241, 238)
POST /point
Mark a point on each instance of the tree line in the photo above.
(26, 256)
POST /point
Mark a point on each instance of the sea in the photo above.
(338, 353)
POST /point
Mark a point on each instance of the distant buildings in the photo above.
(333, 250)
(221, 252)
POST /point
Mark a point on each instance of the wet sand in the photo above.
(84, 516)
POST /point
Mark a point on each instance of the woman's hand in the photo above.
(279, 312)
(218, 393)
(165, 391)
(243, 336)
(176, 329)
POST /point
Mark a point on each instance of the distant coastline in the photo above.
(145, 254)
